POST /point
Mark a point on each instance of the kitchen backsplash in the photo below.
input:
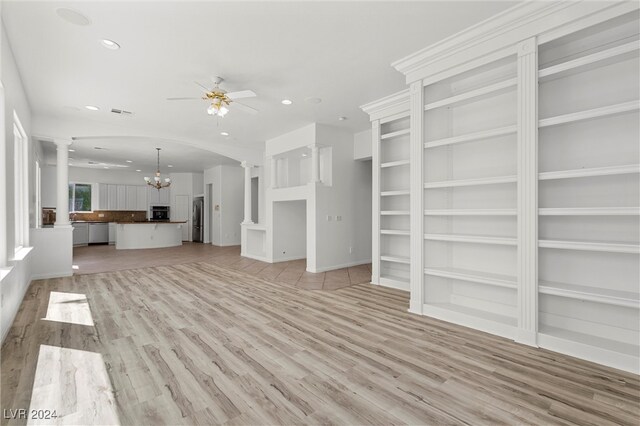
(49, 216)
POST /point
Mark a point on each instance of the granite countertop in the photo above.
(150, 222)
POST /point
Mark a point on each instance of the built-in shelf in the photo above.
(394, 213)
(395, 259)
(590, 246)
(471, 212)
(497, 280)
(600, 294)
(475, 239)
(473, 94)
(393, 232)
(392, 135)
(587, 60)
(465, 315)
(471, 182)
(395, 163)
(590, 211)
(392, 281)
(392, 193)
(475, 136)
(564, 335)
(590, 172)
(591, 113)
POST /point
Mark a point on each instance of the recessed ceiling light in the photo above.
(129, 161)
(91, 107)
(106, 167)
(286, 102)
(169, 165)
(110, 44)
(342, 118)
(304, 155)
(224, 133)
(138, 170)
(313, 100)
(73, 16)
(72, 150)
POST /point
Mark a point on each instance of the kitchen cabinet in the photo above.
(103, 196)
(122, 197)
(112, 197)
(80, 233)
(132, 194)
(112, 232)
(141, 198)
(160, 197)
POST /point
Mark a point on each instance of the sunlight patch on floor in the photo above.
(71, 308)
(75, 384)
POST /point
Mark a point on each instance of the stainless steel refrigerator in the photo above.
(198, 220)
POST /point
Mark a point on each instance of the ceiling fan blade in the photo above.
(182, 99)
(204, 87)
(243, 107)
(241, 94)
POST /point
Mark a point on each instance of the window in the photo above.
(79, 197)
(21, 186)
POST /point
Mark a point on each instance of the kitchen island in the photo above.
(145, 235)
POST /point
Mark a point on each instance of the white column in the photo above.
(416, 189)
(315, 163)
(274, 173)
(62, 183)
(527, 332)
(247, 193)
(375, 202)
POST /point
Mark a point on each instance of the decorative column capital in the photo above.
(62, 142)
(246, 164)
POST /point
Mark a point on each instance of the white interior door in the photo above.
(183, 212)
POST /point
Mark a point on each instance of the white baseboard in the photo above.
(255, 257)
(344, 265)
(51, 275)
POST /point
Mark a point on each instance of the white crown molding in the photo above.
(392, 104)
(518, 23)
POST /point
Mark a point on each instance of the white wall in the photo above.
(345, 239)
(290, 225)
(15, 278)
(362, 145)
(228, 195)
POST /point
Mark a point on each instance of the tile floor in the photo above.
(103, 258)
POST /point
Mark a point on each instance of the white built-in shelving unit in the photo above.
(523, 190)
(391, 257)
(469, 197)
(589, 192)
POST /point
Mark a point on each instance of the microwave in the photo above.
(160, 213)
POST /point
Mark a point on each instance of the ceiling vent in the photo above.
(120, 111)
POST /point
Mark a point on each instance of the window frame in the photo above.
(72, 198)
(21, 184)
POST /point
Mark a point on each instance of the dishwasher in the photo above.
(98, 233)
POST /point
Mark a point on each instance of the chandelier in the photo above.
(157, 181)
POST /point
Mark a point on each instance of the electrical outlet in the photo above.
(338, 218)
(350, 250)
(100, 214)
(133, 214)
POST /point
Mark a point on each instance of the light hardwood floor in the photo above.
(200, 343)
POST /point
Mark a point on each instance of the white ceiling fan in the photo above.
(221, 100)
